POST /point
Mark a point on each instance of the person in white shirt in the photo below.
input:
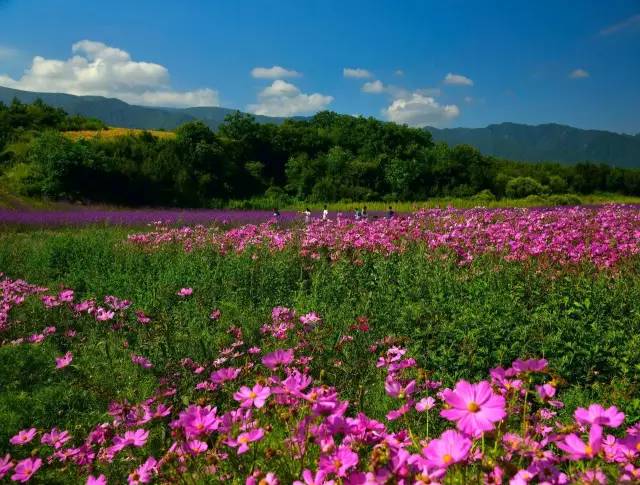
(325, 213)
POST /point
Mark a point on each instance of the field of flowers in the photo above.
(445, 346)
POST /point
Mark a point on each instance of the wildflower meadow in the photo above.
(453, 346)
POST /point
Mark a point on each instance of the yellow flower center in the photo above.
(588, 450)
(473, 407)
(447, 458)
(337, 463)
(243, 439)
(253, 395)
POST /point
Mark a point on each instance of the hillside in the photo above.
(115, 112)
(548, 142)
(527, 143)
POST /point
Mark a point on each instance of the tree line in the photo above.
(328, 157)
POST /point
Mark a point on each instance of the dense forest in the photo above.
(328, 157)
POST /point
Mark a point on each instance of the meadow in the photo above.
(441, 346)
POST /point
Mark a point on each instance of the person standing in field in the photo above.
(325, 213)
(365, 214)
(390, 213)
(307, 215)
(276, 213)
(357, 214)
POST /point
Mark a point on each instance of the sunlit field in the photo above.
(440, 346)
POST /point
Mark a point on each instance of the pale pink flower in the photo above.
(252, 397)
(23, 437)
(474, 407)
(64, 361)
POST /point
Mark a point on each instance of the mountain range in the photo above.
(546, 142)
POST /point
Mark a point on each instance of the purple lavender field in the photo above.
(137, 217)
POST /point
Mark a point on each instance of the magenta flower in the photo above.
(196, 420)
(596, 414)
(339, 462)
(277, 358)
(578, 449)
(215, 315)
(452, 447)
(141, 361)
(64, 361)
(5, 465)
(23, 437)
(252, 397)
(224, 375)
(142, 318)
(196, 446)
(55, 438)
(308, 478)
(425, 404)
(144, 473)
(137, 438)
(243, 440)
(474, 407)
(25, 469)
(185, 292)
(99, 480)
(531, 365)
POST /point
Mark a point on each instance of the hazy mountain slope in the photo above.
(548, 142)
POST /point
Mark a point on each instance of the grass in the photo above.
(456, 321)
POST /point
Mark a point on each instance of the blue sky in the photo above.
(444, 63)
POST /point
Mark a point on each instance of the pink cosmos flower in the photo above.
(279, 357)
(196, 446)
(395, 389)
(425, 404)
(243, 440)
(308, 478)
(141, 361)
(142, 318)
(23, 437)
(452, 447)
(55, 438)
(196, 420)
(66, 296)
(252, 397)
(340, 462)
(25, 469)
(64, 361)
(531, 365)
(185, 292)
(144, 473)
(578, 449)
(225, 374)
(474, 407)
(137, 438)
(99, 480)
(215, 314)
(103, 315)
(5, 465)
(596, 414)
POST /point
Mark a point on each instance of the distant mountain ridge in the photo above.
(548, 142)
(528, 143)
(115, 112)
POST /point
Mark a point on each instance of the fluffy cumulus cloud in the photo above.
(98, 69)
(578, 74)
(373, 87)
(282, 98)
(419, 110)
(457, 80)
(274, 72)
(356, 73)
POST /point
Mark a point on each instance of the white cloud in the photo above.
(420, 110)
(7, 52)
(399, 72)
(275, 72)
(468, 99)
(433, 92)
(373, 87)
(630, 23)
(578, 74)
(101, 70)
(457, 80)
(356, 72)
(285, 99)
